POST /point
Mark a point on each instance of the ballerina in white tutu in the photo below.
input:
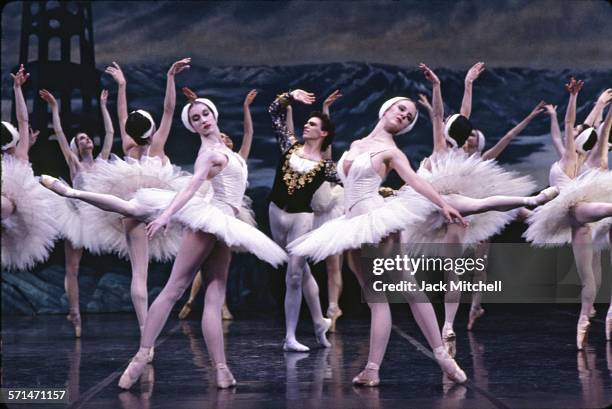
(119, 222)
(475, 145)
(245, 212)
(327, 204)
(212, 232)
(584, 206)
(28, 232)
(79, 158)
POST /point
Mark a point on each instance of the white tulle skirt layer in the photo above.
(29, 233)
(368, 222)
(218, 219)
(454, 172)
(327, 204)
(123, 178)
(550, 224)
(70, 221)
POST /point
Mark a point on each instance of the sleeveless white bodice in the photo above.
(362, 181)
(557, 177)
(230, 184)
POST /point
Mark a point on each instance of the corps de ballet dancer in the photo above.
(582, 209)
(327, 204)
(212, 233)
(370, 219)
(245, 149)
(120, 224)
(29, 226)
(302, 170)
(479, 189)
(78, 155)
(475, 145)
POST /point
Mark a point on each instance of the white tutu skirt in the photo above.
(368, 222)
(454, 172)
(327, 203)
(29, 233)
(123, 178)
(218, 219)
(550, 224)
(246, 213)
(70, 220)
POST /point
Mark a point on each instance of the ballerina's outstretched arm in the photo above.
(21, 110)
(158, 141)
(247, 135)
(470, 77)
(115, 71)
(206, 166)
(499, 147)
(596, 115)
(555, 131)
(569, 158)
(109, 131)
(331, 98)
(598, 156)
(437, 112)
(71, 158)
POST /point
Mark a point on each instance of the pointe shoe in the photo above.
(321, 330)
(55, 185)
(76, 322)
(333, 312)
(475, 313)
(185, 311)
(294, 346)
(449, 339)
(582, 332)
(609, 328)
(368, 377)
(134, 370)
(544, 196)
(449, 366)
(592, 312)
(225, 379)
(151, 355)
(226, 315)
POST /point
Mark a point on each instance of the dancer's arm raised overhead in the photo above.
(395, 159)
(247, 136)
(109, 131)
(158, 141)
(207, 165)
(437, 112)
(71, 158)
(21, 110)
(115, 71)
(470, 77)
(598, 156)
(568, 160)
(498, 148)
(555, 131)
(326, 104)
(596, 115)
(278, 112)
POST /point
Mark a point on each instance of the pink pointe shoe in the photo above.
(56, 186)
(134, 370)
(225, 379)
(582, 332)
(475, 313)
(449, 366)
(75, 319)
(368, 377)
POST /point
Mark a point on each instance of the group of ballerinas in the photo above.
(126, 202)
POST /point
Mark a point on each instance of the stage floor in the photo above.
(517, 357)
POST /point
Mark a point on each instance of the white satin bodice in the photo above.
(230, 184)
(557, 177)
(362, 181)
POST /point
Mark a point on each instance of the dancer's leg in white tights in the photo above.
(71, 279)
(333, 266)
(452, 249)
(138, 250)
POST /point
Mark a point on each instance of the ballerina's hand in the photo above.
(551, 109)
(332, 98)
(453, 215)
(47, 97)
(179, 66)
(429, 74)
(425, 102)
(20, 77)
(474, 72)
(541, 107)
(115, 72)
(153, 227)
(104, 97)
(605, 96)
(248, 100)
(303, 96)
(574, 86)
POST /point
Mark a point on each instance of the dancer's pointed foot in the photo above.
(151, 355)
(56, 186)
(135, 369)
(449, 339)
(544, 196)
(333, 312)
(292, 345)
(369, 376)
(75, 319)
(320, 331)
(226, 315)
(225, 379)
(475, 313)
(592, 312)
(185, 311)
(449, 366)
(609, 327)
(582, 331)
